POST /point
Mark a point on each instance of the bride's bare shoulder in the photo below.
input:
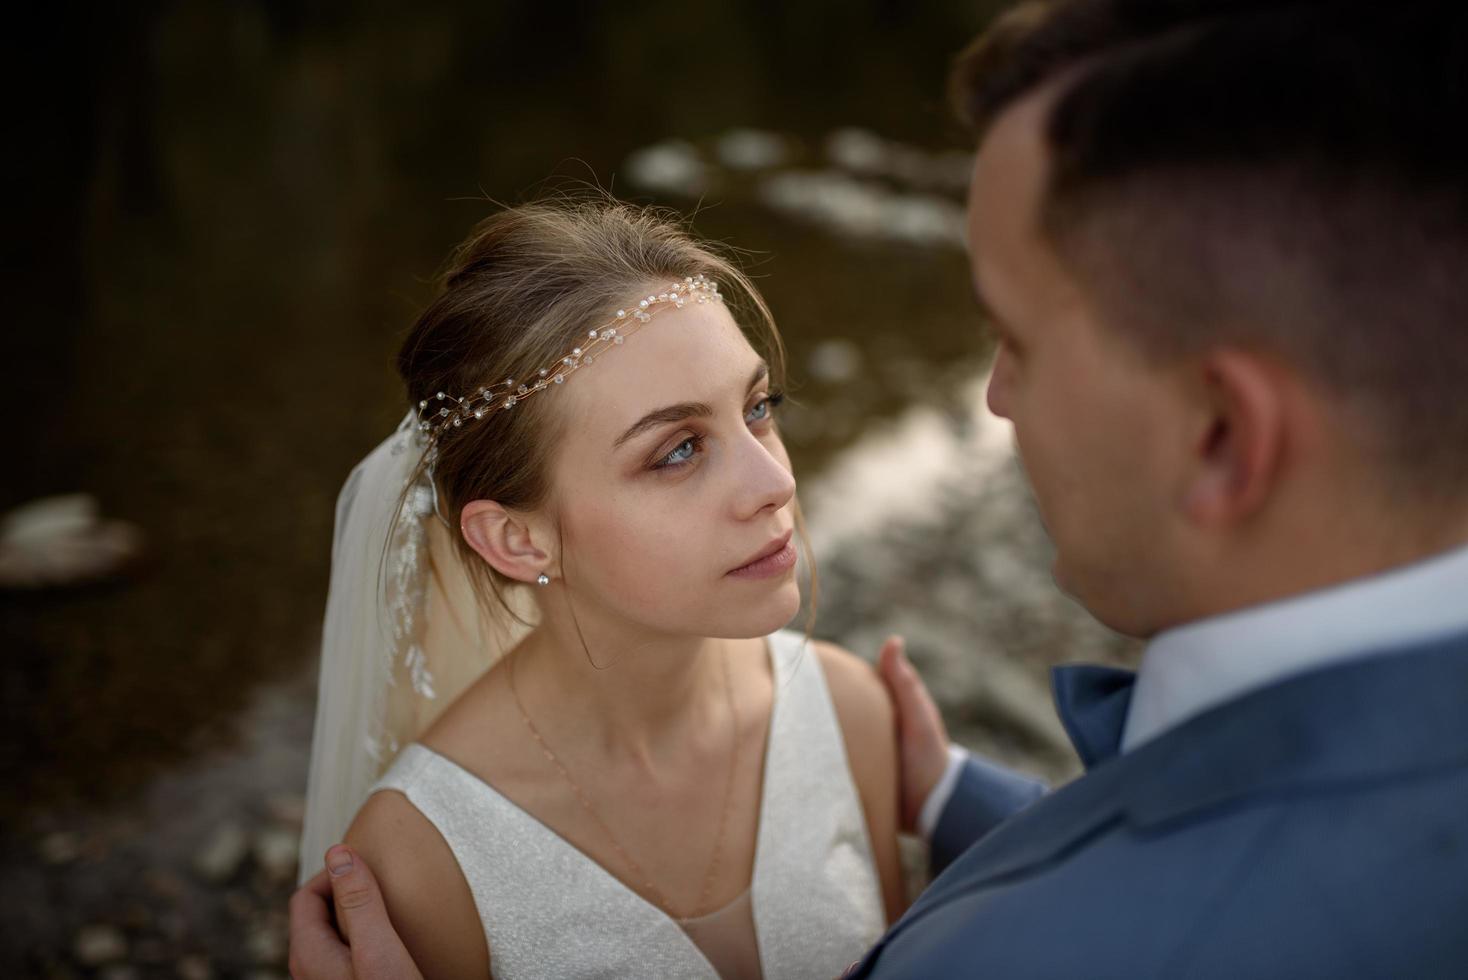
(868, 728)
(862, 704)
(427, 898)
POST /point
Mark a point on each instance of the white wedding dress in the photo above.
(813, 907)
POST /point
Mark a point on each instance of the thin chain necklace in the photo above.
(659, 898)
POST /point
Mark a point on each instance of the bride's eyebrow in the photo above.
(681, 411)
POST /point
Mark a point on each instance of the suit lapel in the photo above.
(1386, 715)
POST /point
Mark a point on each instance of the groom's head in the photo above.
(1225, 246)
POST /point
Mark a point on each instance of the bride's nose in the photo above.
(764, 478)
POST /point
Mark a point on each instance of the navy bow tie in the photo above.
(1092, 703)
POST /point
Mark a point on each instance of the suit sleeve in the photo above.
(984, 796)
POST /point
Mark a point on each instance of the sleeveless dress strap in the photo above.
(817, 896)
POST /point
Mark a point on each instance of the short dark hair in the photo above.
(1288, 176)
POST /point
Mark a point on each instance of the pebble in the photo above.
(151, 950)
(751, 149)
(865, 209)
(193, 968)
(277, 852)
(673, 166)
(266, 944)
(135, 916)
(238, 904)
(221, 856)
(60, 847)
(835, 361)
(173, 926)
(287, 809)
(164, 884)
(863, 152)
(98, 944)
(858, 150)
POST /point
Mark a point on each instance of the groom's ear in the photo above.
(1245, 411)
(509, 541)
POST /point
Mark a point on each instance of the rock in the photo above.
(266, 944)
(134, 916)
(119, 971)
(193, 968)
(857, 150)
(95, 945)
(751, 149)
(162, 883)
(221, 856)
(287, 809)
(60, 848)
(960, 565)
(865, 209)
(912, 856)
(150, 950)
(862, 152)
(1012, 697)
(277, 852)
(238, 904)
(673, 166)
(63, 541)
(173, 926)
(835, 361)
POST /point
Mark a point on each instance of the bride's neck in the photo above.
(635, 696)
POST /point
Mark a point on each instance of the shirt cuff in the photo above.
(940, 794)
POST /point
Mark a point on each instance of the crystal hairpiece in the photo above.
(455, 411)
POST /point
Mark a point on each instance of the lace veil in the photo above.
(404, 634)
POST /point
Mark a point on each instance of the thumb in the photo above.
(918, 717)
(921, 735)
(377, 952)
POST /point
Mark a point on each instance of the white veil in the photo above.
(404, 634)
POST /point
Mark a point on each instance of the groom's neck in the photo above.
(1298, 553)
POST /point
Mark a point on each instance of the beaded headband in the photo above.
(507, 394)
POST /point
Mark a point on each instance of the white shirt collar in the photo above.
(1189, 669)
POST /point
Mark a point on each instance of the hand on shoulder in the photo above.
(427, 898)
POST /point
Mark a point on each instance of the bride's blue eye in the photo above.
(764, 407)
(681, 454)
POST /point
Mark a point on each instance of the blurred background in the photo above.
(225, 217)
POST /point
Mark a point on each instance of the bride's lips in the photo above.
(773, 559)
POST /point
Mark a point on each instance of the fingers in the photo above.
(316, 951)
(377, 953)
(922, 736)
(358, 899)
(917, 714)
(889, 664)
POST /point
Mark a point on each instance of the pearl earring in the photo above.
(544, 579)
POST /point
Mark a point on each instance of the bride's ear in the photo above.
(504, 539)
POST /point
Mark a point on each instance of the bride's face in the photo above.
(671, 479)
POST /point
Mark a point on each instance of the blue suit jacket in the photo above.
(1315, 828)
